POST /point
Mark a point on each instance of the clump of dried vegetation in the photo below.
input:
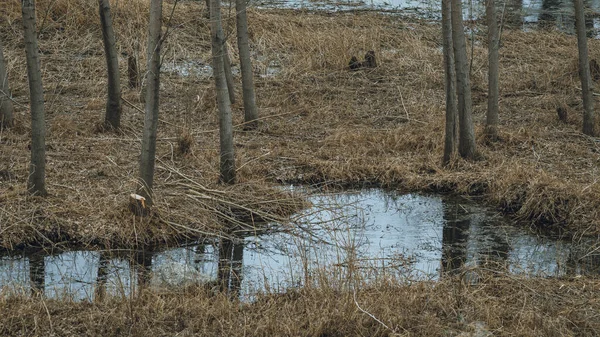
(498, 306)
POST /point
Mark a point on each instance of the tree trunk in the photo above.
(112, 119)
(228, 74)
(451, 137)
(250, 109)
(36, 183)
(491, 128)
(226, 65)
(584, 70)
(152, 95)
(466, 138)
(6, 106)
(227, 162)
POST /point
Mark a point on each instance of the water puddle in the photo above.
(370, 234)
(203, 70)
(528, 14)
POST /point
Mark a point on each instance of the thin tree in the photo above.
(227, 158)
(250, 109)
(6, 106)
(226, 64)
(451, 137)
(491, 128)
(36, 183)
(147, 157)
(584, 70)
(112, 119)
(228, 74)
(466, 137)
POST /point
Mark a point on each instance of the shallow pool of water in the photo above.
(368, 234)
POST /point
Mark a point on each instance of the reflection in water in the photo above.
(364, 235)
(37, 273)
(229, 275)
(454, 237)
(101, 278)
(143, 265)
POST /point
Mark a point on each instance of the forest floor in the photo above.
(321, 124)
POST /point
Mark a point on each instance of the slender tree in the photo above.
(584, 69)
(36, 183)
(228, 74)
(466, 137)
(6, 106)
(147, 157)
(227, 162)
(491, 128)
(226, 64)
(250, 109)
(112, 119)
(451, 137)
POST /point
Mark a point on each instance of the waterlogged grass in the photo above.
(498, 306)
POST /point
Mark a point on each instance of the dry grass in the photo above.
(321, 124)
(502, 306)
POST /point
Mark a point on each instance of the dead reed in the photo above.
(320, 123)
(498, 306)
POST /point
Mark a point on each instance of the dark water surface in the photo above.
(371, 234)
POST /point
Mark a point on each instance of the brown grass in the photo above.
(501, 306)
(320, 124)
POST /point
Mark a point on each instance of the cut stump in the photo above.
(137, 205)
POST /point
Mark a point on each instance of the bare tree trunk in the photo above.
(227, 162)
(152, 95)
(250, 109)
(36, 183)
(112, 119)
(228, 74)
(584, 70)
(6, 106)
(466, 138)
(451, 137)
(491, 128)
(226, 64)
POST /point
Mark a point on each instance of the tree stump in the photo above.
(137, 205)
(562, 114)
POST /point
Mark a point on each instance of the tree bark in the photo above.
(228, 75)
(112, 119)
(147, 158)
(491, 129)
(227, 161)
(6, 106)
(36, 183)
(451, 137)
(584, 70)
(226, 64)
(466, 138)
(250, 109)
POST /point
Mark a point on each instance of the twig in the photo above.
(369, 314)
